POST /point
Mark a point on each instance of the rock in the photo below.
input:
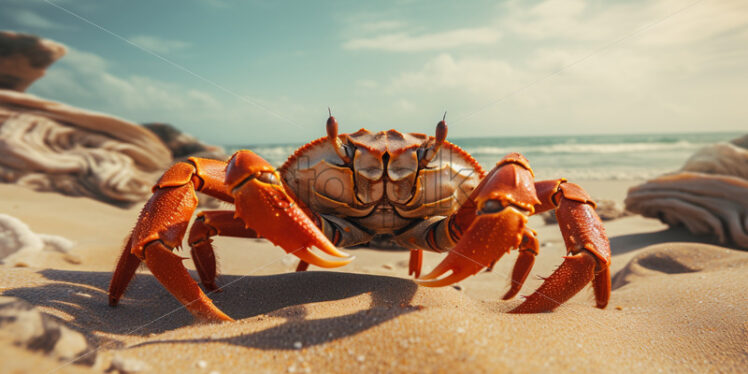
(50, 146)
(708, 196)
(183, 145)
(24, 58)
(741, 142)
(127, 365)
(705, 204)
(25, 325)
(721, 159)
(19, 245)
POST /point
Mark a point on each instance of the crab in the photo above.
(343, 189)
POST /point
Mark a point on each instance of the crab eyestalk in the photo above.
(332, 135)
(431, 150)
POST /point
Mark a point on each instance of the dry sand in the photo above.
(679, 304)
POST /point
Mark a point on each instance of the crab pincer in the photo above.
(496, 222)
(264, 205)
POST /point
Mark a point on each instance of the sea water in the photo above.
(621, 157)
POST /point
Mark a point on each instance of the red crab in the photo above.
(341, 190)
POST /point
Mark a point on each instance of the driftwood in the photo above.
(50, 146)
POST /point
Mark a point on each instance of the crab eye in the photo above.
(268, 177)
(491, 206)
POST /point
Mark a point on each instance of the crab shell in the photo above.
(389, 181)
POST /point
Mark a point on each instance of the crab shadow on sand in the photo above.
(148, 308)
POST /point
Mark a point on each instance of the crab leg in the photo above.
(585, 240)
(166, 215)
(528, 249)
(415, 263)
(161, 228)
(206, 225)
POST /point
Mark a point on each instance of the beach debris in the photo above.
(125, 365)
(26, 326)
(20, 245)
(709, 195)
(24, 58)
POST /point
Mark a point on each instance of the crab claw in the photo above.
(589, 261)
(489, 237)
(263, 204)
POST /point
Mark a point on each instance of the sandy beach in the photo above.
(471, 118)
(679, 305)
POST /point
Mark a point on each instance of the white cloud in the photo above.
(29, 18)
(474, 75)
(703, 21)
(405, 42)
(87, 80)
(159, 45)
(583, 66)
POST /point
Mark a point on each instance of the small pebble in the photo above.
(128, 365)
(387, 266)
(619, 308)
(458, 287)
(361, 358)
(202, 364)
(73, 259)
(297, 345)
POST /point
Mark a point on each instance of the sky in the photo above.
(255, 72)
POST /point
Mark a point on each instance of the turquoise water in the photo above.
(577, 157)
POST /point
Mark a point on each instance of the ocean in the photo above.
(582, 157)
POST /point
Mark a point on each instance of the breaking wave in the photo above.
(586, 148)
